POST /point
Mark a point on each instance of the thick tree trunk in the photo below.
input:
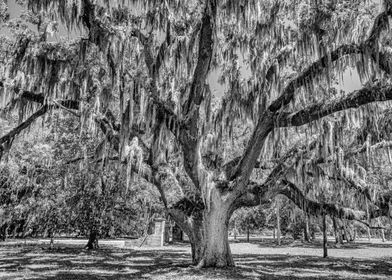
(215, 249)
(208, 232)
(92, 240)
(325, 240)
(195, 234)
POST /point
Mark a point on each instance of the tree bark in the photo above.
(196, 237)
(216, 250)
(207, 230)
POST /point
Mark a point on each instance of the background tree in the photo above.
(45, 191)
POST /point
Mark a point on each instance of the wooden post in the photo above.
(278, 220)
(325, 240)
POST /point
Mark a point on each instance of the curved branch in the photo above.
(322, 109)
(380, 23)
(363, 148)
(292, 192)
(310, 73)
(190, 137)
(17, 130)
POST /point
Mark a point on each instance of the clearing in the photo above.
(260, 259)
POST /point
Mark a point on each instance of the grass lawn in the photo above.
(255, 260)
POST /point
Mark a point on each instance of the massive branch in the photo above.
(292, 192)
(190, 137)
(265, 125)
(310, 73)
(6, 140)
(354, 100)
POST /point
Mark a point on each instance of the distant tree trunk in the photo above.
(313, 235)
(247, 231)
(381, 230)
(51, 236)
(278, 221)
(325, 240)
(355, 233)
(306, 228)
(3, 232)
(235, 230)
(350, 234)
(337, 231)
(273, 234)
(92, 240)
(369, 234)
(345, 233)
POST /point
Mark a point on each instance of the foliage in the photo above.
(41, 193)
(136, 79)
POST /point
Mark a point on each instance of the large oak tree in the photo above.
(141, 73)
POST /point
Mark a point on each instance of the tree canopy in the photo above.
(141, 75)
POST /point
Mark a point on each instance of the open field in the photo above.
(255, 260)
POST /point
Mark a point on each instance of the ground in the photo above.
(260, 259)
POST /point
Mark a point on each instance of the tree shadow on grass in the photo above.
(271, 243)
(174, 263)
(311, 267)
